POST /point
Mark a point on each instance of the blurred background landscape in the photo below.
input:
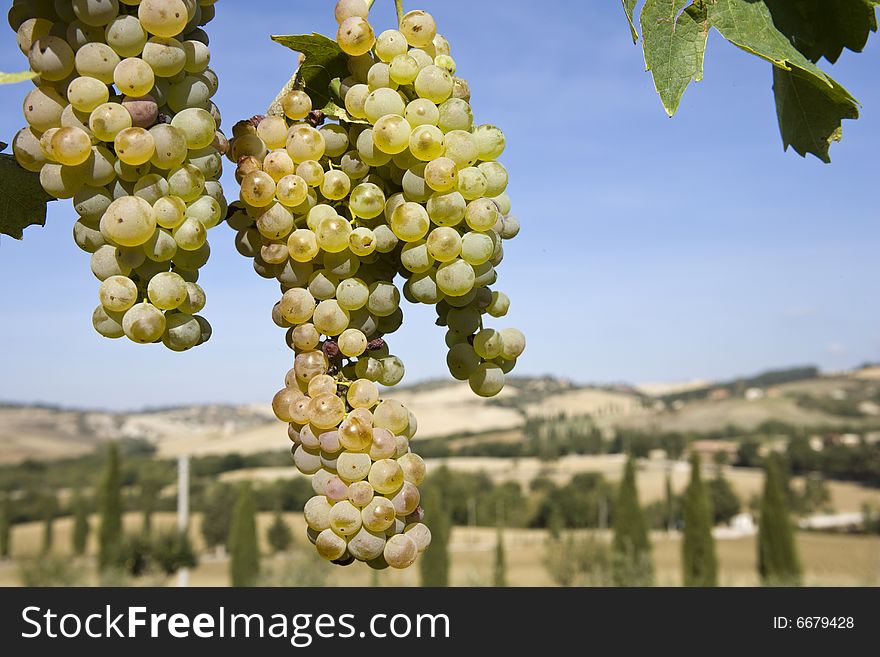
(537, 469)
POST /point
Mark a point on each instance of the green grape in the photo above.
(99, 169)
(363, 394)
(403, 69)
(446, 209)
(27, 151)
(444, 244)
(126, 36)
(422, 112)
(414, 186)
(490, 142)
(161, 247)
(167, 291)
(335, 140)
(193, 91)
(311, 172)
(117, 294)
(434, 84)
(406, 500)
(513, 343)
(198, 127)
(384, 299)
(151, 188)
(258, 189)
(413, 468)
(170, 211)
(297, 306)
(476, 248)
(499, 305)
(369, 153)
(71, 146)
(446, 63)
(379, 77)
(378, 515)
(316, 513)
(368, 368)
(182, 332)
(390, 44)
(353, 466)
(419, 28)
(143, 323)
(410, 222)
(133, 77)
(60, 181)
(330, 318)
(383, 102)
(302, 245)
(134, 146)
(441, 174)
(367, 201)
(487, 380)
(502, 202)
(336, 185)
(420, 534)
(206, 210)
(488, 344)
(78, 34)
(321, 385)
(85, 94)
(393, 371)
(355, 36)
(330, 546)
(198, 56)
(318, 214)
(352, 294)
(163, 18)
(326, 411)
(305, 143)
(496, 178)
(97, 60)
(273, 131)
(108, 120)
(109, 325)
(391, 134)
(481, 215)
(455, 114)
(355, 100)
(392, 415)
(464, 320)
(31, 30)
(95, 12)
(333, 234)
(423, 287)
(422, 57)
(87, 236)
(170, 147)
(129, 221)
(415, 257)
(106, 261)
(426, 142)
(92, 202)
(291, 191)
(509, 227)
(350, 8)
(165, 55)
(455, 278)
(461, 148)
(386, 476)
(472, 183)
(322, 284)
(190, 235)
(296, 105)
(400, 551)
(306, 461)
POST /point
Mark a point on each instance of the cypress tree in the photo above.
(80, 524)
(278, 535)
(778, 562)
(110, 508)
(150, 488)
(434, 563)
(244, 565)
(632, 550)
(49, 509)
(699, 564)
(670, 504)
(499, 575)
(5, 527)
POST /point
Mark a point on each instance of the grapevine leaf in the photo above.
(629, 7)
(749, 25)
(674, 44)
(809, 118)
(22, 199)
(324, 62)
(12, 78)
(823, 28)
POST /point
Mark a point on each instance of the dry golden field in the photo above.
(828, 559)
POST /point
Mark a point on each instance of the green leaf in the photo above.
(629, 7)
(810, 119)
(823, 28)
(22, 199)
(12, 78)
(675, 45)
(324, 62)
(749, 25)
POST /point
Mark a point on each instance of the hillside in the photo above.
(447, 408)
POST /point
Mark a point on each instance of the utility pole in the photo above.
(183, 509)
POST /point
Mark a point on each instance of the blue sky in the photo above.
(652, 249)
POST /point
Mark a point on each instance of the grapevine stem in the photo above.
(398, 4)
(370, 4)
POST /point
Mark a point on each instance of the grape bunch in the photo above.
(404, 184)
(121, 121)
